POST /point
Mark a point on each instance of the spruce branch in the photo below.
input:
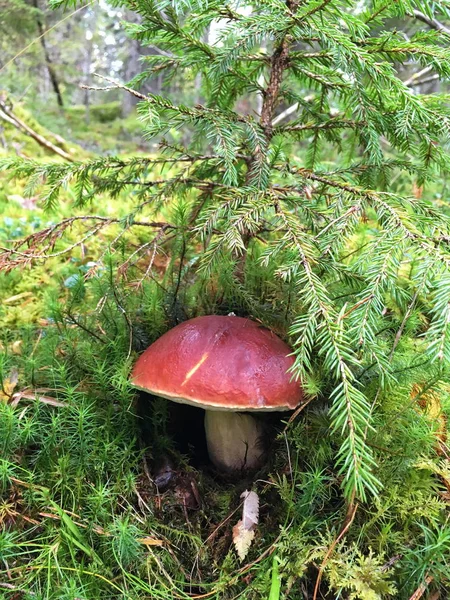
(38, 246)
(331, 124)
(326, 331)
(259, 204)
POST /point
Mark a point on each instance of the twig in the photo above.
(332, 124)
(433, 23)
(391, 562)
(124, 267)
(350, 211)
(150, 264)
(180, 271)
(51, 234)
(350, 515)
(357, 305)
(96, 88)
(161, 51)
(24, 394)
(422, 588)
(427, 79)
(406, 317)
(286, 113)
(77, 323)
(296, 412)
(417, 75)
(222, 523)
(13, 588)
(121, 86)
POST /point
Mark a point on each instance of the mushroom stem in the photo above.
(234, 440)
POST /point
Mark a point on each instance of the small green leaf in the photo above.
(275, 586)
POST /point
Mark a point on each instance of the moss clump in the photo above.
(101, 113)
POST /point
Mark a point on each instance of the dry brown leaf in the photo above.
(244, 530)
(242, 539)
(8, 385)
(149, 541)
(16, 347)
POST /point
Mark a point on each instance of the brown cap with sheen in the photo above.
(220, 363)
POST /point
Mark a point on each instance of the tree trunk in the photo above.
(87, 68)
(48, 60)
(133, 67)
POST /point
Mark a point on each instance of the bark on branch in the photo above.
(48, 60)
(279, 63)
(433, 23)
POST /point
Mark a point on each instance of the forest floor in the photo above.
(103, 493)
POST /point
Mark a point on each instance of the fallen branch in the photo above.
(422, 588)
(7, 115)
(40, 245)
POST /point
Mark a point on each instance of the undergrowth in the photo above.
(83, 518)
(103, 494)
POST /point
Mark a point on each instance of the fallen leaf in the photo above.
(242, 539)
(250, 509)
(149, 541)
(244, 530)
(8, 385)
(16, 347)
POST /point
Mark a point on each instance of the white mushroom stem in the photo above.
(234, 440)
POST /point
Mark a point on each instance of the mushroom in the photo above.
(229, 366)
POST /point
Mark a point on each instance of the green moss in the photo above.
(101, 113)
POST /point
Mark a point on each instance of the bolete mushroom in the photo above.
(229, 366)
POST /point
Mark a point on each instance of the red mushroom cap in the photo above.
(220, 363)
